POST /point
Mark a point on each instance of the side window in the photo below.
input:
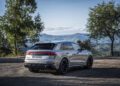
(76, 47)
(66, 46)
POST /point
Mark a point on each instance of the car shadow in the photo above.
(88, 73)
(24, 81)
(95, 72)
(42, 81)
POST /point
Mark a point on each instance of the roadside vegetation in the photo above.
(17, 24)
(104, 21)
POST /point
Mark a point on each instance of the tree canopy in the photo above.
(17, 23)
(104, 21)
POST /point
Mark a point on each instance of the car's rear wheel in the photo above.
(89, 62)
(63, 68)
(33, 70)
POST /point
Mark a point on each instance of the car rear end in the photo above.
(41, 56)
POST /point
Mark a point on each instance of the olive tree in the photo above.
(104, 21)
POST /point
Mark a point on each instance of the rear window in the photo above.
(43, 46)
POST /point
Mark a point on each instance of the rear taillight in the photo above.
(41, 53)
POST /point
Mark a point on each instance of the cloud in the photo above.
(63, 31)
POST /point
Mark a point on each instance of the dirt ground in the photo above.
(105, 72)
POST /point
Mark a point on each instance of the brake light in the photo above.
(41, 53)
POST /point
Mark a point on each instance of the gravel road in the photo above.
(105, 72)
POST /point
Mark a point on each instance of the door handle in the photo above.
(67, 53)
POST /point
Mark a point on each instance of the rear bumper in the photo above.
(40, 63)
(39, 66)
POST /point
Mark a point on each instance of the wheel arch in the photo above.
(66, 59)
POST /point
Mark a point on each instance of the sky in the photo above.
(63, 17)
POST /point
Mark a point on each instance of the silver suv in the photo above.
(57, 55)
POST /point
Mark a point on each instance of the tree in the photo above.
(2, 34)
(104, 21)
(17, 22)
(85, 45)
(38, 27)
(4, 49)
(1, 38)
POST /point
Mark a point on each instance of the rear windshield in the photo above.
(43, 46)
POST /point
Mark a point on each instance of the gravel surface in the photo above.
(105, 72)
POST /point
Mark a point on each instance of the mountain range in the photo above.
(74, 38)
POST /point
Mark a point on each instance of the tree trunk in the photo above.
(15, 44)
(112, 47)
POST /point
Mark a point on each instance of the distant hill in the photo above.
(73, 37)
(102, 44)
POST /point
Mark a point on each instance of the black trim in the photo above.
(39, 66)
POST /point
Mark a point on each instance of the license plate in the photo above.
(36, 56)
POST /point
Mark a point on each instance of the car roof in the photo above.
(56, 42)
(63, 42)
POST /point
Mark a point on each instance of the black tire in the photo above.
(63, 68)
(89, 62)
(33, 70)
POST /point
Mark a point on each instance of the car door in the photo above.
(68, 50)
(79, 57)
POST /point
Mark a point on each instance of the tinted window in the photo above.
(66, 46)
(76, 47)
(43, 46)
